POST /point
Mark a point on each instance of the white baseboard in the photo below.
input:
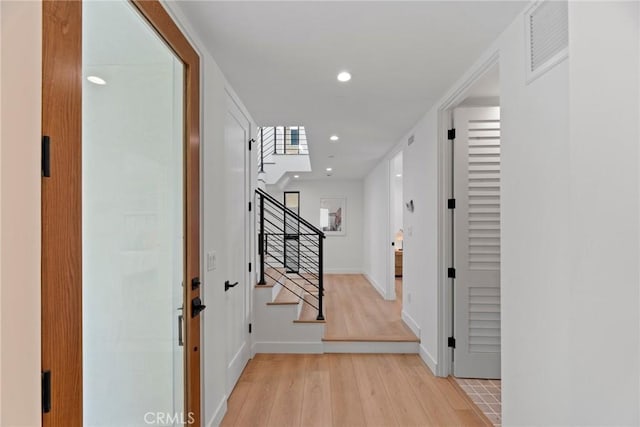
(237, 364)
(376, 286)
(219, 414)
(287, 347)
(370, 347)
(428, 359)
(342, 271)
(411, 323)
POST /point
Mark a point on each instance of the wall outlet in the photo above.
(410, 230)
(408, 297)
(212, 261)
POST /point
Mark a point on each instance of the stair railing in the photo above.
(290, 245)
(281, 140)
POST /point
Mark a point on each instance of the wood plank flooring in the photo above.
(346, 390)
(355, 311)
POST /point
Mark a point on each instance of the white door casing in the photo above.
(477, 242)
(236, 137)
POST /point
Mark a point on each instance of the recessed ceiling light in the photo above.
(331, 156)
(344, 76)
(97, 80)
(334, 138)
(329, 169)
(399, 175)
(296, 176)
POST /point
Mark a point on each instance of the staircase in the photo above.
(289, 295)
(282, 150)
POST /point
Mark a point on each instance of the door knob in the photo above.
(196, 306)
(228, 285)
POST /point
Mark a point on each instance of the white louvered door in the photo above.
(477, 242)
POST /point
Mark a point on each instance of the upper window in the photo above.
(295, 137)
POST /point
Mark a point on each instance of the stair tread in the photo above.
(271, 276)
(284, 297)
(308, 314)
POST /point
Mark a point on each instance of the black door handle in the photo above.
(228, 285)
(196, 306)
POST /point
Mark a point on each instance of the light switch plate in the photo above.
(211, 261)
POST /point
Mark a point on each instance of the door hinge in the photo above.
(451, 342)
(46, 156)
(251, 141)
(249, 327)
(451, 273)
(451, 203)
(46, 391)
(249, 206)
(249, 267)
(451, 134)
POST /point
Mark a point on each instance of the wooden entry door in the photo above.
(84, 303)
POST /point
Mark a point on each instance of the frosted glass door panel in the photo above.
(133, 204)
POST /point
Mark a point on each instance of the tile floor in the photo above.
(487, 395)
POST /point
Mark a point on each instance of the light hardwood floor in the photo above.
(346, 390)
(355, 311)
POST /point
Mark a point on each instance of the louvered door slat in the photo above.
(477, 242)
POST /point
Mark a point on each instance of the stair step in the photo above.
(285, 296)
(308, 314)
(370, 338)
(271, 277)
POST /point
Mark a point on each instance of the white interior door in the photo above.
(477, 243)
(236, 137)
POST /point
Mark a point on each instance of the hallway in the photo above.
(346, 390)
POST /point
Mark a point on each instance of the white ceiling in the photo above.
(282, 59)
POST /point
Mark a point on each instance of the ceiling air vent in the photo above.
(547, 35)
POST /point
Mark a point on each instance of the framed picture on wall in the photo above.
(333, 215)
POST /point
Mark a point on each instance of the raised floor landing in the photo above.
(355, 311)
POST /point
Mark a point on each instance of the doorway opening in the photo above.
(291, 247)
(396, 228)
(120, 213)
(471, 211)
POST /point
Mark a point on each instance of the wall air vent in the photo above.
(547, 36)
(411, 138)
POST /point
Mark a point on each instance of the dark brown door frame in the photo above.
(62, 205)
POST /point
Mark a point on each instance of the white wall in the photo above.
(603, 228)
(420, 269)
(1, 211)
(342, 254)
(535, 239)
(376, 227)
(20, 52)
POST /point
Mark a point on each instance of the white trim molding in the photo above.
(454, 97)
(375, 285)
(428, 359)
(411, 323)
(219, 413)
